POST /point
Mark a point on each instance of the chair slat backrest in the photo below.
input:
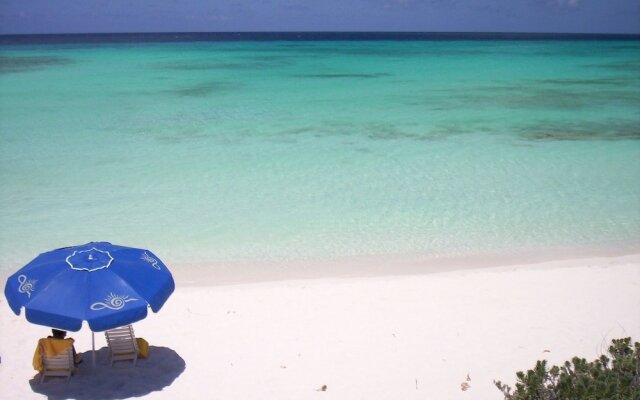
(122, 344)
(60, 365)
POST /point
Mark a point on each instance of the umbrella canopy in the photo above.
(106, 285)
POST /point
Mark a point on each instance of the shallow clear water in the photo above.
(215, 151)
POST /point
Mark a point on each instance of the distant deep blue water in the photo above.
(214, 147)
(101, 38)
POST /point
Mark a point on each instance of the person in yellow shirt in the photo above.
(52, 346)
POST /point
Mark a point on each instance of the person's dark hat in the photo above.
(58, 333)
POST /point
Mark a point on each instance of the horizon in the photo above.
(380, 33)
(331, 31)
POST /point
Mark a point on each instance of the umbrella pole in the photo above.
(93, 348)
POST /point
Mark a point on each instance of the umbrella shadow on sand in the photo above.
(123, 380)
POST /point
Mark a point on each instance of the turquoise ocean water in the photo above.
(285, 150)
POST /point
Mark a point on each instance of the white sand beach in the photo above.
(406, 336)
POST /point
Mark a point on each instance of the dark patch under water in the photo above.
(613, 81)
(305, 50)
(386, 131)
(204, 89)
(579, 135)
(255, 63)
(621, 66)
(555, 94)
(614, 130)
(343, 75)
(11, 64)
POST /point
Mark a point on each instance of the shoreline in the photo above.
(237, 272)
(221, 273)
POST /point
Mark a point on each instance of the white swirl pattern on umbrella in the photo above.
(112, 302)
(26, 286)
(151, 260)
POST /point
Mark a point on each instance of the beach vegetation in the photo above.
(614, 377)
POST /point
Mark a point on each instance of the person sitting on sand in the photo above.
(53, 346)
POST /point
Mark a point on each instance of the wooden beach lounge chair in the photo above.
(60, 365)
(122, 344)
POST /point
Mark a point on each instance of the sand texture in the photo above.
(423, 336)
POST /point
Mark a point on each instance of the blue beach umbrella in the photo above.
(104, 284)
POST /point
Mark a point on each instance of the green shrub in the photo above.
(615, 378)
